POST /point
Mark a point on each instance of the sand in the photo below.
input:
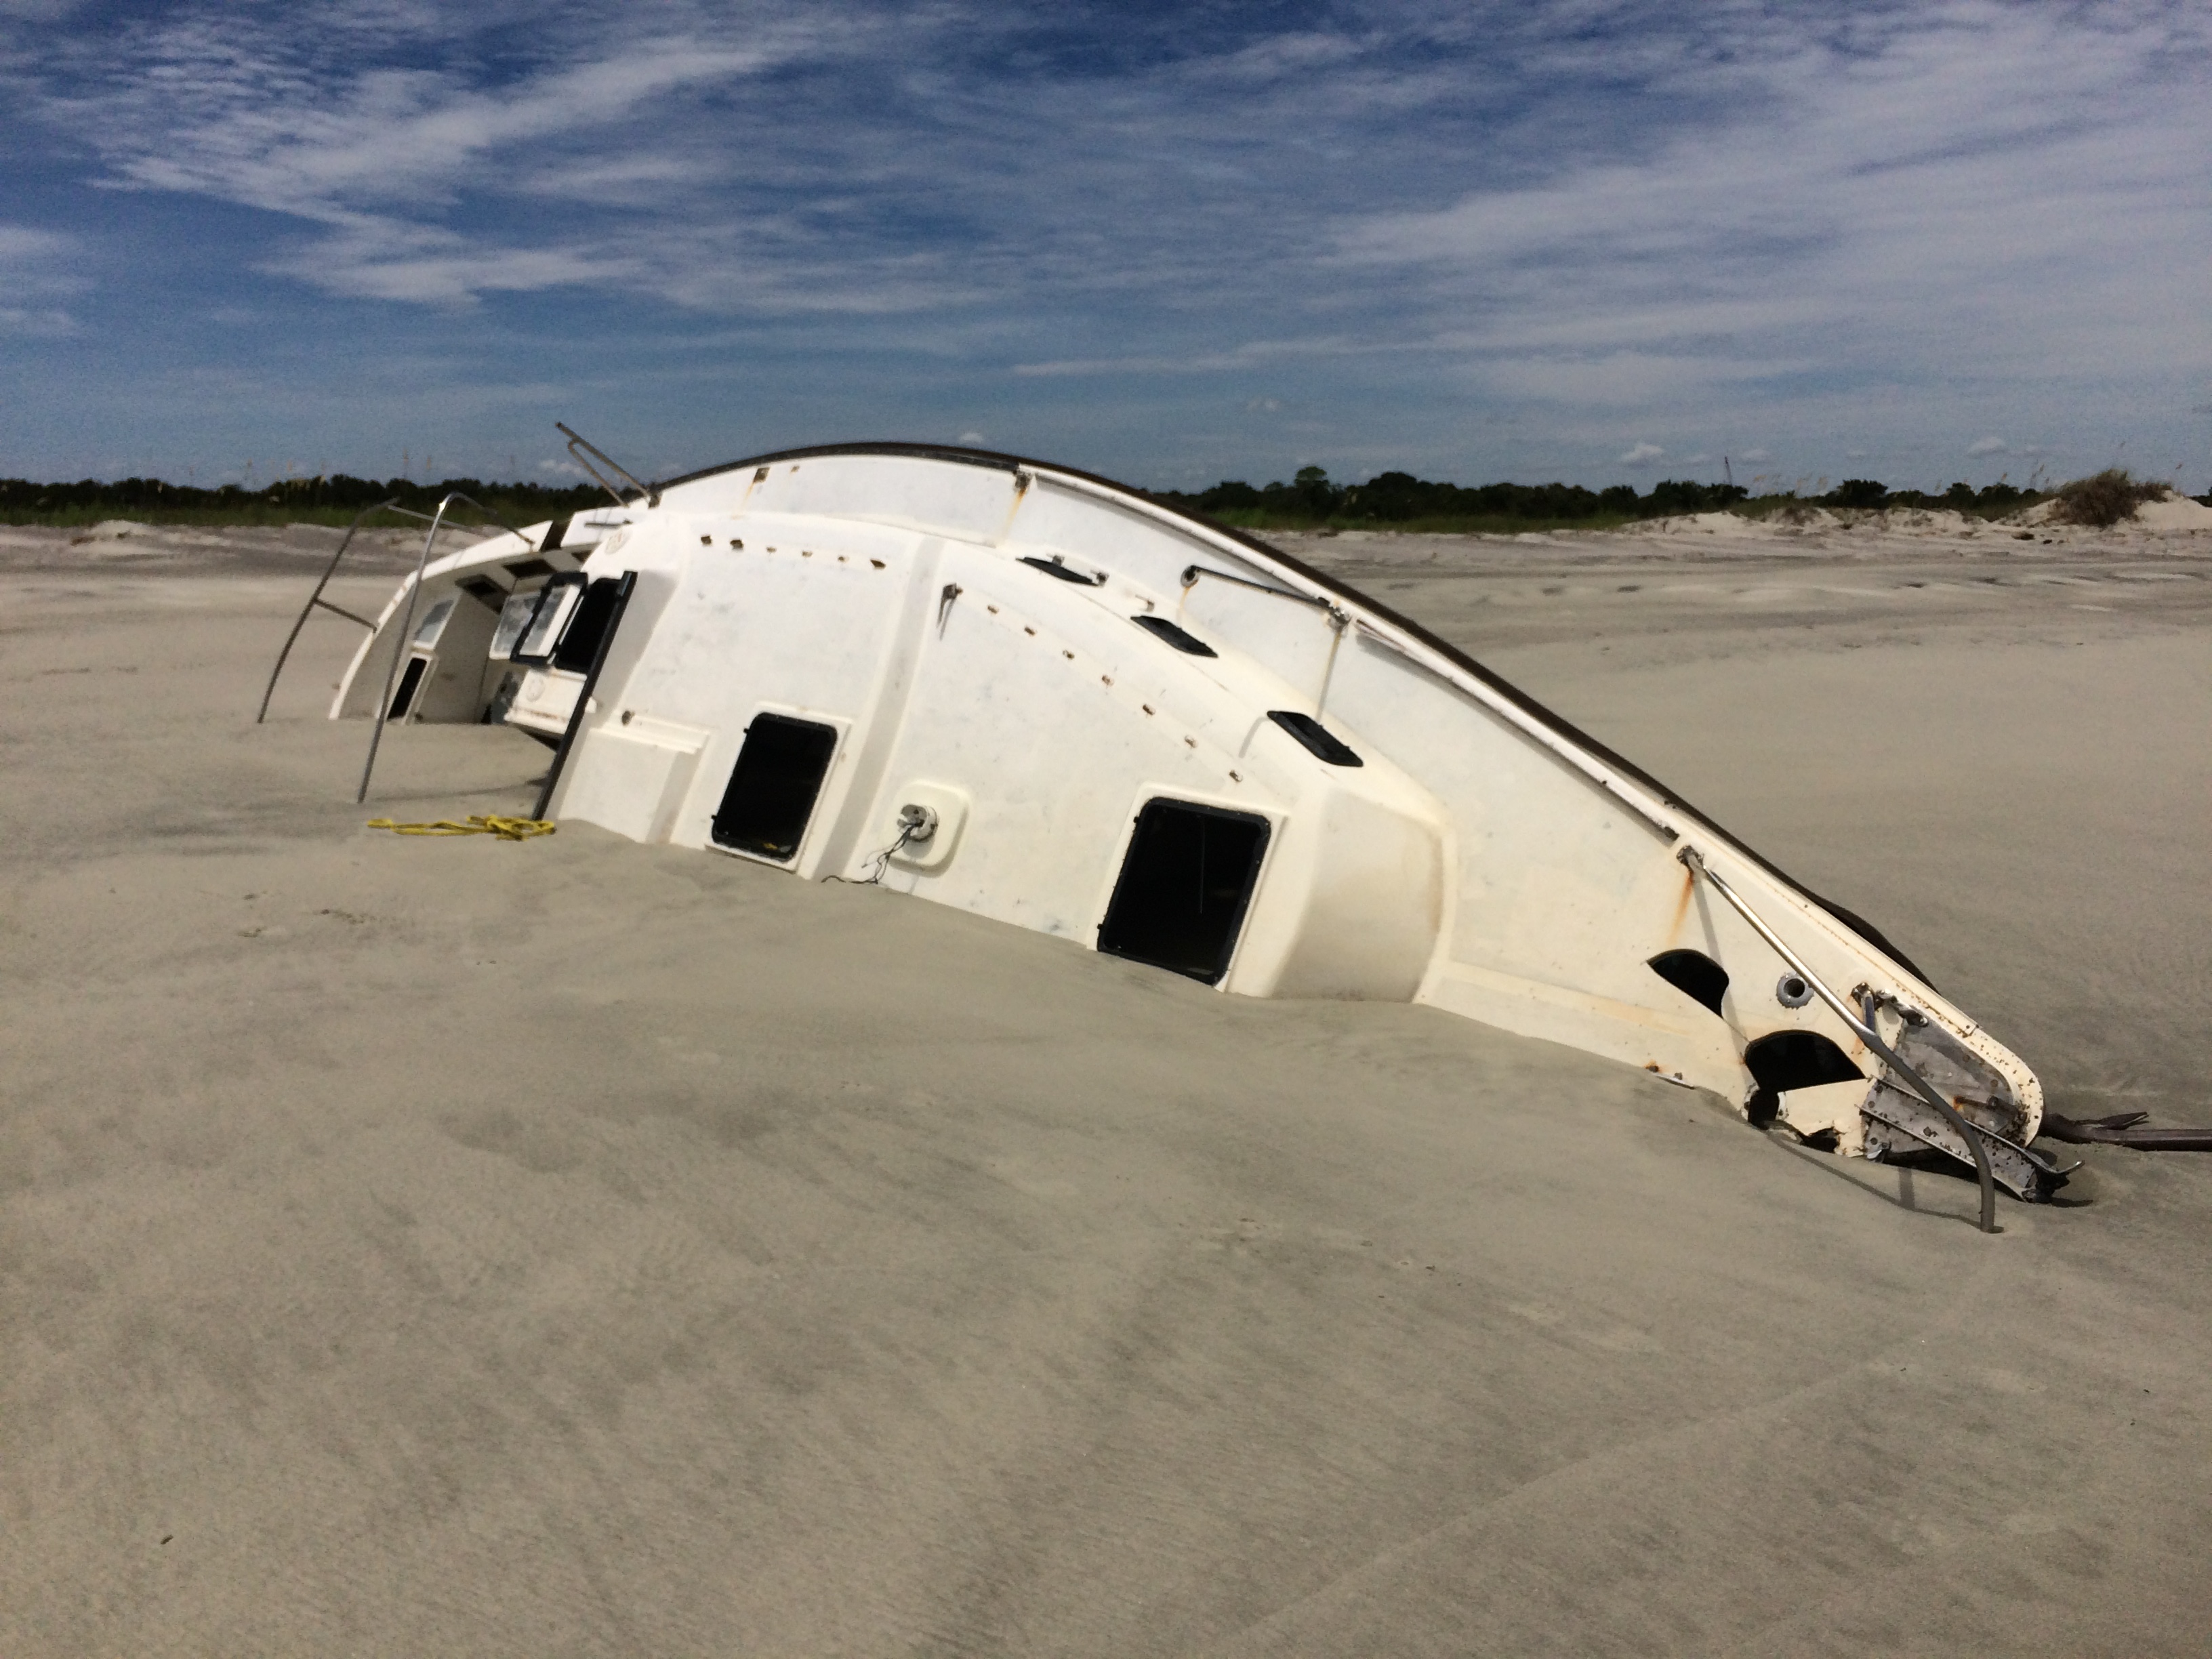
(577, 1248)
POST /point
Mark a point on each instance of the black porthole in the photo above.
(556, 603)
(1161, 629)
(1694, 974)
(579, 639)
(1782, 1060)
(1316, 737)
(410, 684)
(774, 786)
(1184, 888)
(1058, 568)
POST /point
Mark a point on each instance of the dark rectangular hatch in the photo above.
(773, 787)
(1184, 888)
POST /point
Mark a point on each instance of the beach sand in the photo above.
(573, 1247)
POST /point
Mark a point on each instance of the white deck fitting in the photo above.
(1485, 858)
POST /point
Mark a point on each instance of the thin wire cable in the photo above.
(882, 861)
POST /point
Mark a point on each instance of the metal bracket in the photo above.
(1339, 618)
(1897, 1121)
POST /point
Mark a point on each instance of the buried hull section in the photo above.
(1032, 695)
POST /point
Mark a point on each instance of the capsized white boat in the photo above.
(1033, 694)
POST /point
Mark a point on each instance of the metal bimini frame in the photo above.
(404, 639)
(389, 505)
(316, 598)
(578, 444)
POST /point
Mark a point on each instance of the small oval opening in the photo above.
(1782, 1060)
(1694, 974)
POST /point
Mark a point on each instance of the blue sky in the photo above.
(1564, 238)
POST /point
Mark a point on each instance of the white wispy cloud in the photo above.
(1966, 184)
(36, 276)
(1986, 447)
(212, 114)
(387, 159)
(1535, 225)
(1638, 454)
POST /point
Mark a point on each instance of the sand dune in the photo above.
(573, 1247)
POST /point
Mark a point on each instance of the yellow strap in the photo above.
(504, 829)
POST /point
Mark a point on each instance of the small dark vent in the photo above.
(483, 588)
(773, 788)
(410, 684)
(1055, 567)
(1316, 737)
(1161, 629)
(524, 569)
(579, 639)
(1782, 1060)
(1694, 974)
(1184, 887)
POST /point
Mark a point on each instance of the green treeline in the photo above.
(333, 499)
(1311, 500)
(1402, 500)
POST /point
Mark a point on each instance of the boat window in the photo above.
(1694, 974)
(1184, 888)
(1161, 629)
(773, 788)
(434, 623)
(555, 601)
(1782, 1060)
(410, 684)
(1316, 737)
(513, 618)
(1059, 568)
(580, 640)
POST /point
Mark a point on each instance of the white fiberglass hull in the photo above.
(1032, 694)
